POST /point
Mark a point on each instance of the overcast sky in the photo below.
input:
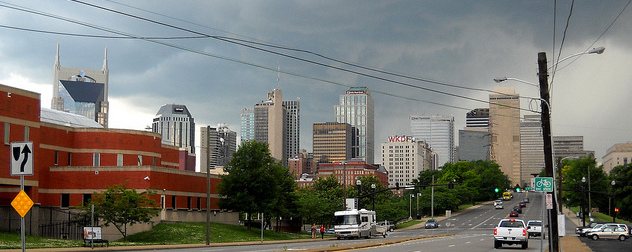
(460, 43)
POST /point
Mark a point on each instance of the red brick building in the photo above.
(73, 158)
(352, 169)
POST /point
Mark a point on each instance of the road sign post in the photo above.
(21, 165)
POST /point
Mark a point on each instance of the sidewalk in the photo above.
(571, 241)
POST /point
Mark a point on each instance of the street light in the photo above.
(359, 184)
(582, 204)
(614, 215)
(373, 196)
(410, 206)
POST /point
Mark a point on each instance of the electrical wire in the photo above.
(559, 53)
(95, 36)
(19, 8)
(247, 44)
(601, 35)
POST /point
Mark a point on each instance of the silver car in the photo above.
(610, 231)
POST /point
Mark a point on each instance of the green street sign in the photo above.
(544, 184)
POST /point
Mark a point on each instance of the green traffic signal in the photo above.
(496, 190)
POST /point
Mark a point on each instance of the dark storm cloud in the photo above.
(465, 43)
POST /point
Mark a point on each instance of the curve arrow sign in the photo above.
(26, 151)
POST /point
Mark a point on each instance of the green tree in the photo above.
(623, 190)
(491, 177)
(311, 207)
(120, 206)
(573, 170)
(256, 183)
(329, 190)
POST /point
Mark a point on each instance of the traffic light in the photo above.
(451, 185)
(517, 189)
(616, 209)
(496, 190)
(396, 185)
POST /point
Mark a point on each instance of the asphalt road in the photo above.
(470, 231)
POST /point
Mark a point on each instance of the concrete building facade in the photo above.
(531, 147)
(277, 123)
(617, 155)
(357, 109)
(404, 158)
(504, 127)
(217, 145)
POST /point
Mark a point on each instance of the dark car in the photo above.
(517, 209)
(432, 223)
(513, 214)
(522, 204)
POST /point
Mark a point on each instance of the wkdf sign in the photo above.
(21, 158)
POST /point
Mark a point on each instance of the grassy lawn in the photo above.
(14, 241)
(163, 233)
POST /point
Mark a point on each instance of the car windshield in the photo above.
(535, 224)
(431, 221)
(511, 224)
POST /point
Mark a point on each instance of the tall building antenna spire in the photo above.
(278, 73)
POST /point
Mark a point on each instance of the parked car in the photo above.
(513, 214)
(534, 228)
(596, 227)
(390, 227)
(581, 231)
(610, 231)
(432, 223)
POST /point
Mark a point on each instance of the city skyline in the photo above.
(462, 43)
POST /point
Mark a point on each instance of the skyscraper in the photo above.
(292, 129)
(217, 146)
(247, 125)
(356, 109)
(474, 140)
(332, 142)
(438, 132)
(277, 123)
(82, 91)
(176, 125)
(504, 127)
(531, 147)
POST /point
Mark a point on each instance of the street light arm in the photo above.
(598, 50)
(501, 79)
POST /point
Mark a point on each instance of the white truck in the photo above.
(355, 223)
(511, 231)
(534, 228)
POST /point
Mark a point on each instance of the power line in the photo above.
(95, 36)
(19, 8)
(284, 55)
(601, 35)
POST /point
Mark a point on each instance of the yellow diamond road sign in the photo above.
(22, 203)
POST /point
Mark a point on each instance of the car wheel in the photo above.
(595, 237)
(497, 244)
(622, 238)
(525, 245)
(391, 230)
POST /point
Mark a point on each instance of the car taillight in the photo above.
(495, 231)
(524, 232)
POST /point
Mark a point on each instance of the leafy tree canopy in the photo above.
(120, 206)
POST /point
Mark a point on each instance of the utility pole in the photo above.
(543, 78)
